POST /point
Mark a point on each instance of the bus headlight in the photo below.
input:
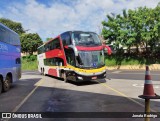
(80, 78)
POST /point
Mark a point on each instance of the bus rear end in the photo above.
(10, 54)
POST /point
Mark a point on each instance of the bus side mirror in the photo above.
(108, 49)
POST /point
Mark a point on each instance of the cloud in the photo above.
(49, 20)
(1, 15)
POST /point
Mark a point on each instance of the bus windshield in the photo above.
(91, 59)
(86, 39)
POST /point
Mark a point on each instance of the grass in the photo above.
(28, 64)
(115, 60)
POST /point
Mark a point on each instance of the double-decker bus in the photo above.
(73, 55)
(10, 63)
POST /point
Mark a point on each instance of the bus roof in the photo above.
(61, 34)
(78, 31)
(2, 25)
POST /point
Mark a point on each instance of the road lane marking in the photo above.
(136, 73)
(30, 73)
(120, 93)
(26, 98)
(116, 72)
(142, 86)
(138, 85)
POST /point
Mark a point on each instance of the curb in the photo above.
(134, 67)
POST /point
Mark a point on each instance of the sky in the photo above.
(50, 18)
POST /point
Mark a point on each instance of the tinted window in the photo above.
(70, 56)
(8, 36)
(66, 39)
(41, 50)
(54, 44)
(53, 62)
(86, 39)
(18, 61)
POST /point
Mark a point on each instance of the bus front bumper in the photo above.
(89, 78)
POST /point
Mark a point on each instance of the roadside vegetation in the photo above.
(138, 29)
(134, 35)
(29, 43)
(115, 59)
(29, 62)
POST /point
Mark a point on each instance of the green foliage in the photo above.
(30, 42)
(30, 58)
(115, 60)
(29, 62)
(134, 28)
(47, 39)
(15, 26)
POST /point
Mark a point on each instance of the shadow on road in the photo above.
(82, 83)
(19, 90)
(46, 99)
(53, 99)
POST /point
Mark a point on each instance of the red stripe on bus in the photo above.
(52, 72)
(55, 53)
(89, 48)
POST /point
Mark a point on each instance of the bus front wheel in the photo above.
(64, 77)
(7, 84)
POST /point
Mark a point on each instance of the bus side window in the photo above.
(46, 47)
(66, 39)
(40, 50)
(2, 34)
(70, 57)
(57, 44)
(18, 61)
(59, 61)
(53, 62)
(52, 45)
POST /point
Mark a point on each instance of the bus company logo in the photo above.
(21, 115)
(6, 115)
(3, 47)
(94, 64)
(59, 54)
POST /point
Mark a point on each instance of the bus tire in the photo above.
(0, 85)
(43, 72)
(65, 77)
(7, 83)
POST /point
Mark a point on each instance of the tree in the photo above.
(30, 42)
(15, 26)
(137, 28)
(47, 39)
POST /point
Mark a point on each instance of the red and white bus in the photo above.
(73, 55)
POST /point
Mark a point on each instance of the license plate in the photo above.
(94, 77)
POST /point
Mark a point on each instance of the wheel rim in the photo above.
(64, 77)
(7, 84)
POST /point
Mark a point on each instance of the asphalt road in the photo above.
(36, 93)
(132, 75)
